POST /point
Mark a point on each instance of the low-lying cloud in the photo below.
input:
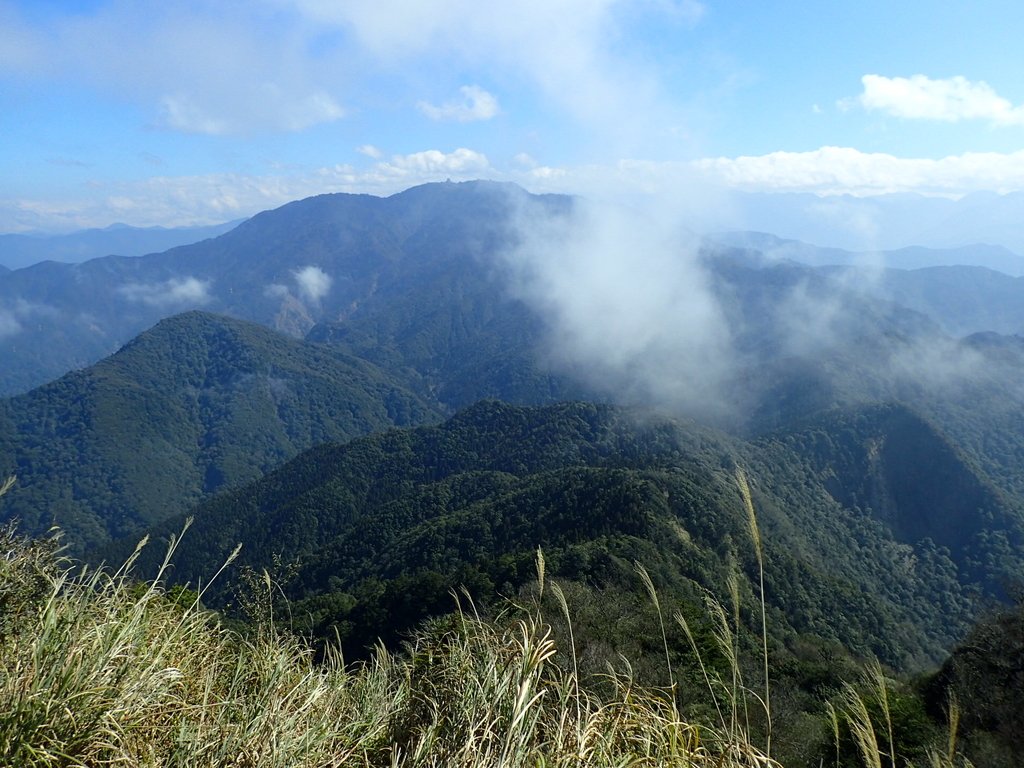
(844, 170)
(9, 325)
(634, 308)
(176, 292)
(627, 303)
(312, 283)
(14, 315)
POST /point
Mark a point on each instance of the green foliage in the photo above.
(197, 404)
(984, 681)
(381, 530)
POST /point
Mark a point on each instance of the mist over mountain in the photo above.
(17, 250)
(561, 287)
(451, 293)
(384, 400)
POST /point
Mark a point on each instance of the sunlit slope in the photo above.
(379, 531)
(198, 403)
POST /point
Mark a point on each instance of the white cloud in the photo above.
(626, 300)
(276, 291)
(697, 185)
(284, 65)
(525, 160)
(12, 316)
(583, 56)
(313, 283)
(432, 163)
(187, 291)
(476, 104)
(219, 197)
(370, 151)
(186, 113)
(949, 100)
(844, 170)
(201, 67)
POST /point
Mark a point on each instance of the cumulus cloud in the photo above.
(951, 100)
(176, 292)
(476, 104)
(313, 283)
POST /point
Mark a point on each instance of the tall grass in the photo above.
(864, 713)
(99, 670)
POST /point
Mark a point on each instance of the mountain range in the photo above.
(24, 250)
(375, 394)
(348, 260)
(863, 545)
(886, 222)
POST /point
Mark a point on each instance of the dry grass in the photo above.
(98, 670)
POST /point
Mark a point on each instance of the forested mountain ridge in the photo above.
(893, 465)
(377, 532)
(410, 314)
(313, 260)
(337, 262)
(198, 403)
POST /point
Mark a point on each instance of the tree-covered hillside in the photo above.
(375, 534)
(197, 404)
(324, 259)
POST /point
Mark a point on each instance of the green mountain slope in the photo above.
(325, 259)
(377, 532)
(196, 404)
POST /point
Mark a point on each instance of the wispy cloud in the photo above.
(475, 104)
(200, 68)
(9, 325)
(13, 315)
(176, 292)
(950, 100)
(844, 170)
(575, 54)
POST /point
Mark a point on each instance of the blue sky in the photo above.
(200, 111)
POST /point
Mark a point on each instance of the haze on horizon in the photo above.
(210, 112)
